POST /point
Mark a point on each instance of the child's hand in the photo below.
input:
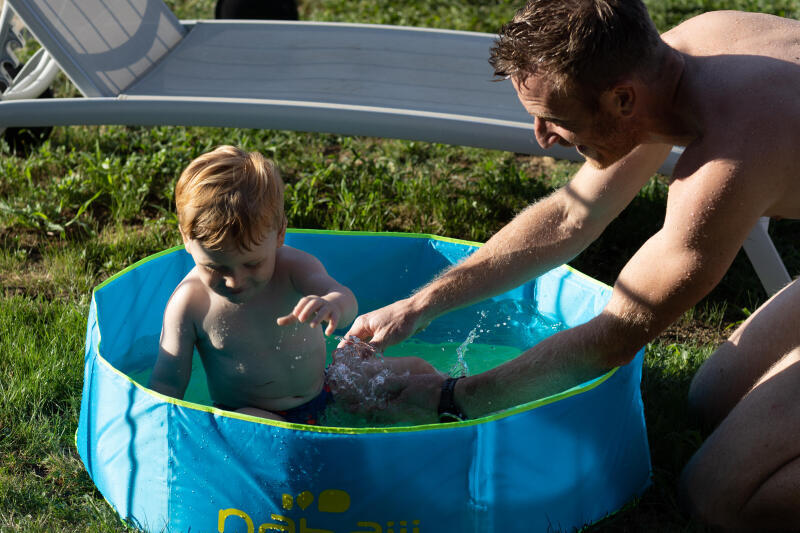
(314, 310)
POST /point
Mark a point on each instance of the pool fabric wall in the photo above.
(556, 463)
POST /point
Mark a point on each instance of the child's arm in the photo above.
(178, 336)
(325, 300)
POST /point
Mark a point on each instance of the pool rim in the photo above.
(524, 407)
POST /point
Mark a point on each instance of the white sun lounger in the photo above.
(136, 64)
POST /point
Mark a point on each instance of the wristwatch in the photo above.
(448, 410)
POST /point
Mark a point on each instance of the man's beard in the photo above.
(617, 142)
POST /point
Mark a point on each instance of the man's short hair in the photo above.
(586, 45)
(230, 194)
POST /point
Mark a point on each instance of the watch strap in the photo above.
(448, 410)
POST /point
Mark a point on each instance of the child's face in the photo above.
(236, 274)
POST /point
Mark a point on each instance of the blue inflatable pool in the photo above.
(556, 463)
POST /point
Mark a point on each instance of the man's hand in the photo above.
(371, 388)
(386, 326)
(314, 310)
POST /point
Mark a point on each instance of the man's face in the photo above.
(235, 274)
(597, 134)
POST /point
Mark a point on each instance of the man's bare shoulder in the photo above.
(739, 89)
(735, 32)
(691, 29)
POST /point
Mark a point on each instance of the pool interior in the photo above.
(465, 342)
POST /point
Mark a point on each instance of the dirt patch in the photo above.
(693, 332)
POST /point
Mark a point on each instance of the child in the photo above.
(250, 305)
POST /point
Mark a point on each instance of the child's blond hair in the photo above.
(230, 194)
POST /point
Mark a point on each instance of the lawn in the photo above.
(90, 201)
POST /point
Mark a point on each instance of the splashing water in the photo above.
(460, 368)
(358, 366)
(355, 347)
(359, 377)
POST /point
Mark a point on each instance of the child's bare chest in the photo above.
(251, 328)
(257, 336)
(243, 344)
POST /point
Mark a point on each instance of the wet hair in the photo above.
(230, 194)
(578, 45)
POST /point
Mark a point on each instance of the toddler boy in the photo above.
(250, 305)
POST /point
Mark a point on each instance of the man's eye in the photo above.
(253, 265)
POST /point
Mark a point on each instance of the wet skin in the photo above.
(253, 316)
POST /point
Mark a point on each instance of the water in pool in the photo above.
(464, 342)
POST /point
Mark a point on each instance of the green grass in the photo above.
(43, 486)
(90, 201)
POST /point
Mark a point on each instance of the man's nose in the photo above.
(544, 136)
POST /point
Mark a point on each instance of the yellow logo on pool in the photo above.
(328, 501)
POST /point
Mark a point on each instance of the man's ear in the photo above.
(620, 100)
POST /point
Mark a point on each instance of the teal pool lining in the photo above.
(573, 391)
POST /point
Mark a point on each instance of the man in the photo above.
(595, 74)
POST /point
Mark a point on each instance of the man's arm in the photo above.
(709, 214)
(173, 367)
(545, 235)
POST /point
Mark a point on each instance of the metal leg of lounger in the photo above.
(18, 82)
(765, 258)
(10, 39)
(35, 77)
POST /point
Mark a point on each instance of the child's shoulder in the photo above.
(189, 293)
(294, 264)
(293, 256)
